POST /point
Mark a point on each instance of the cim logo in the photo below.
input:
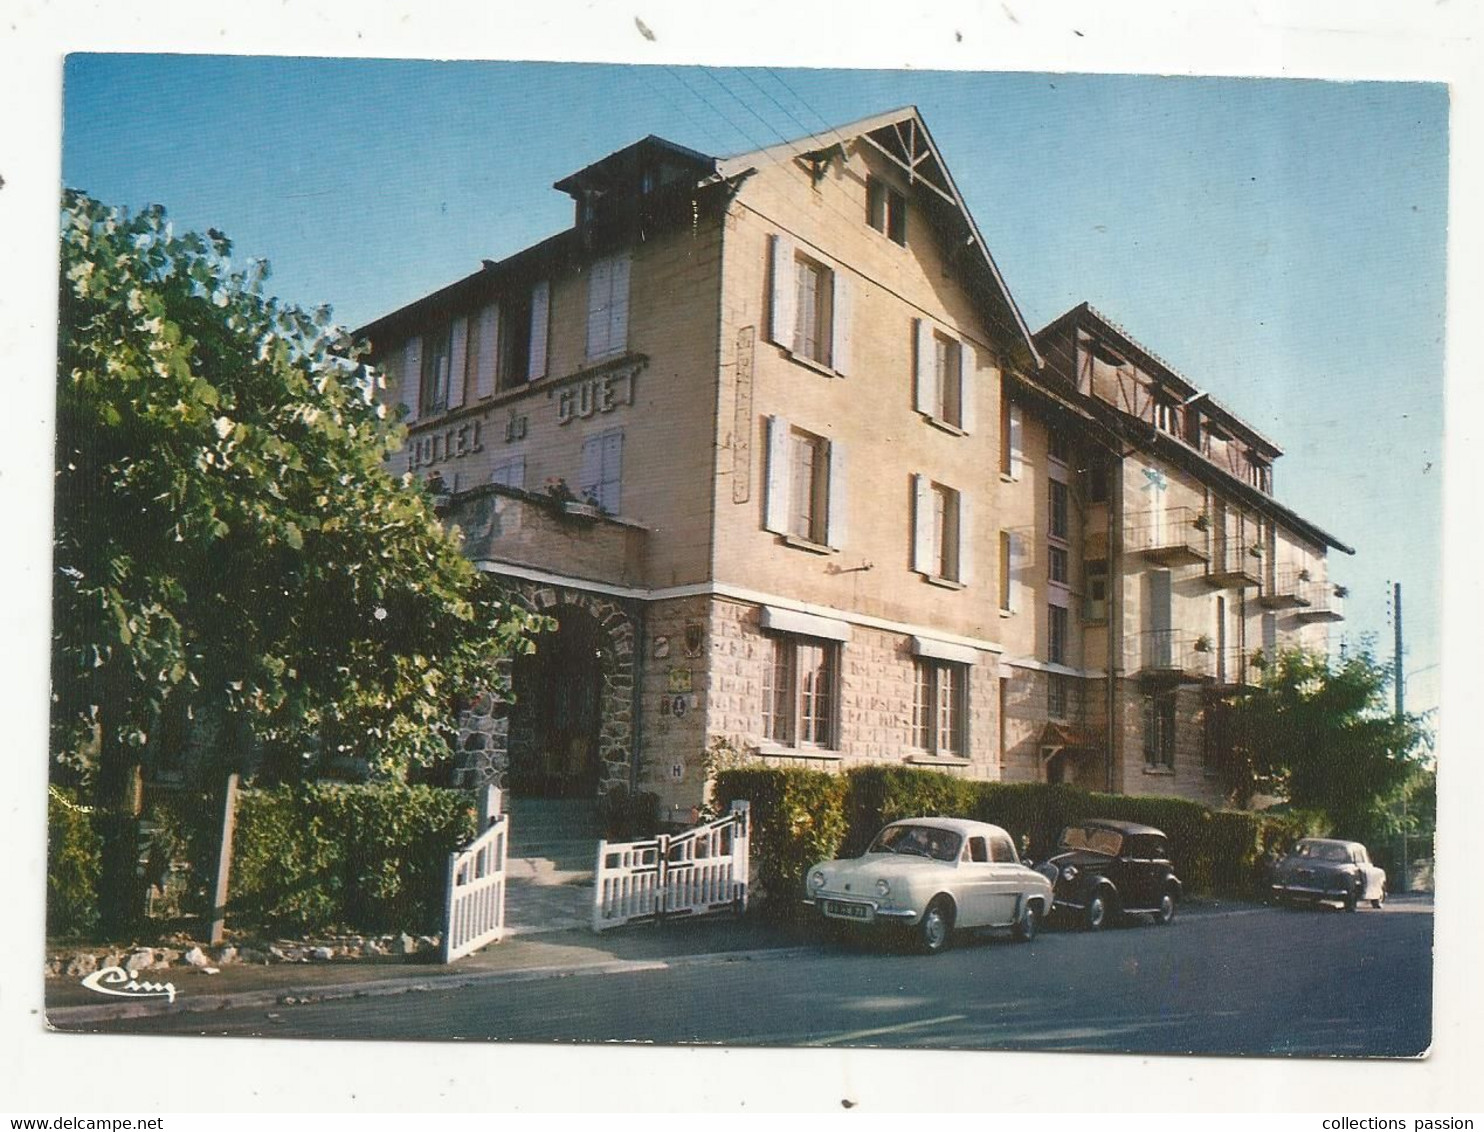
(117, 981)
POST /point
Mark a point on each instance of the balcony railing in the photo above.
(1323, 601)
(1173, 536)
(1236, 562)
(1175, 654)
(1287, 589)
(1232, 667)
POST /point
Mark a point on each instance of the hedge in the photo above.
(326, 856)
(801, 817)
(797, 819)
(74, 864)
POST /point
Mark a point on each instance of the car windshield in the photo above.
(1093, 838)
(1322, 851)
(918, 841)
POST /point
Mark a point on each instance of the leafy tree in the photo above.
(1323, 736)
(227, 536)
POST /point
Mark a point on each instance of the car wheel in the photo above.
(1098, 912)
(935, 927)
(1030, 923)
(1166, 911)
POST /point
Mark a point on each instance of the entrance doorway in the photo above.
(558, 710)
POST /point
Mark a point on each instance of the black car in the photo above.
(1103, 869)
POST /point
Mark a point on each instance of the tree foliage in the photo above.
(227, 536)
(1322, 735)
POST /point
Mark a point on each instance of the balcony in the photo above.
(1237, 563)
(1323, 602)
(1175, 655)
(1174, 536)
(1232, 668)
(507, 526)
(1287, 590)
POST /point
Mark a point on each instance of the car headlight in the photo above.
(882, 888)
(816, 879)
(1069, 872)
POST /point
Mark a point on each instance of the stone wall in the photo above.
(492, 731)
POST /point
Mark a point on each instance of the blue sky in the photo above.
(1281, 242)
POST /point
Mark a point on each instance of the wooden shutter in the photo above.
(842, 325)
(1160, 617)
(965, 539)
(618, 305)
(1017, 441)
(922, 525)
(834, 535)
(968, 378)
(611, 474)
(412, 376)
(776, 513)
(782, 284)
(1017, 570)
(592, 465)
(922, 366)
(599, 293)
(1270, 637)
(486, 339)
(458, 362)
(540, 329)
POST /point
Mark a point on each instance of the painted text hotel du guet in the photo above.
(770, 439)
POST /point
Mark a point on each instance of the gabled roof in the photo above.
(903, 138)
(1085, 315)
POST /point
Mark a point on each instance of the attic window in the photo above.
(886, 210)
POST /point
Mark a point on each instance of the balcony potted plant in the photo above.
(1203, 643)
(1202, 522)
(1304, 575)
(1342, 591)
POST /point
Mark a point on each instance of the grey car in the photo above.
(1321, 868)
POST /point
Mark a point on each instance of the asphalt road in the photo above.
(1243, 979)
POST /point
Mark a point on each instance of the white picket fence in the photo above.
(702, 870)
(475, 900)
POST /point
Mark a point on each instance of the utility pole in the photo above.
(1397, 680)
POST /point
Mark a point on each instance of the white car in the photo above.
(933, 876)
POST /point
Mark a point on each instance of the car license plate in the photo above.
(846, 911)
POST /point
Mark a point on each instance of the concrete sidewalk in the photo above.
(578, 951)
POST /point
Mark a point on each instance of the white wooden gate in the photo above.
(684, 874)
(475, 905)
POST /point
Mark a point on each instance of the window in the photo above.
(939, 536)
(1096, 480)
(939, 708)
(1057, 447)
(799, 691)
(608, 308)
(602, 470)
(436, 364)
(1095, 573)
(942, 389)
(1011, 443)
(809, 485)
(1056, 695)
(1060, 515)
(1159, 730)
(1002, 849)
(806, 486)
(514, 366)
(1056, 634)
(1166, 415)
(886, 210)
(809, 308)
(813, 306)
(1009, 567)
(1057, 565)
(510, 473)
(976, 851)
